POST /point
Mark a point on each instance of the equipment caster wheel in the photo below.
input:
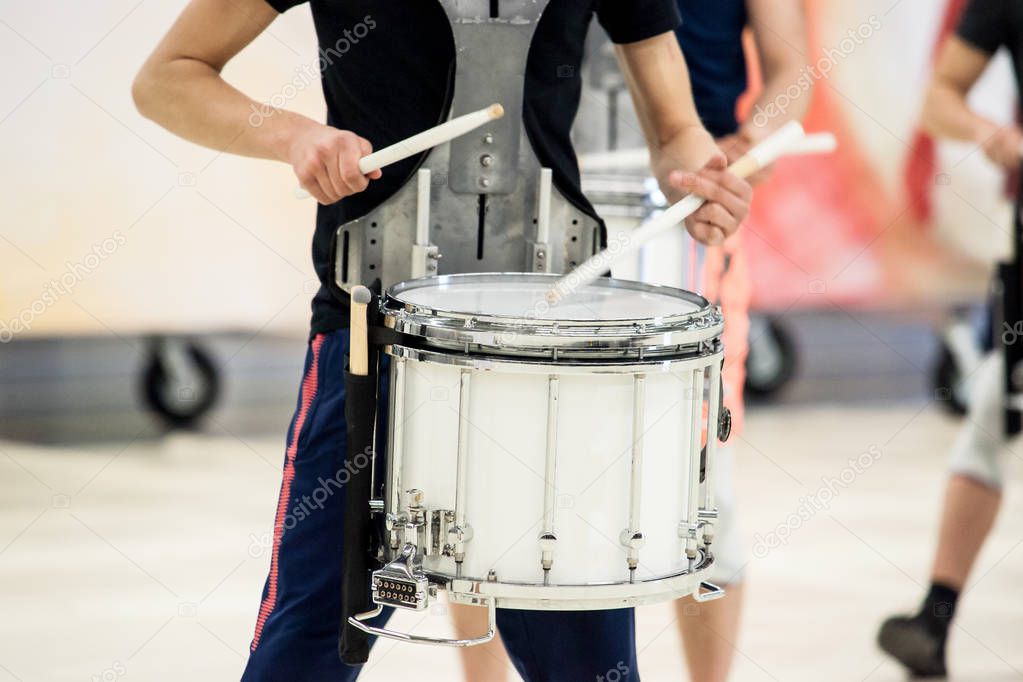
(180, 381)
(771, 363)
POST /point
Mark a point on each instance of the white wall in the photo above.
(194, 239)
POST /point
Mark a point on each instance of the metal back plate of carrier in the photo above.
(507, 315)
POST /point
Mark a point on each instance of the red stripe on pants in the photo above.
(309, 386)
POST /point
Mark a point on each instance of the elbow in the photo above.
(141, 92)
(145, 91)
(929, 116)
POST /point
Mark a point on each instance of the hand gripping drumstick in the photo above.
(358, 357)
(445, 132)
(781, 142)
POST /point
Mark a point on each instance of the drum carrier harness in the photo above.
(481, 203)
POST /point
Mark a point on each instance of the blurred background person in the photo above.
(711, 36)
(974, 490)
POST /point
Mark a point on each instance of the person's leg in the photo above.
(569, 646)
(710, 631)
(972, 498)
(296, 634)
(488, 661)
(966, 520)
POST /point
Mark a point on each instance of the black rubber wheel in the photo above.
(772, 359)
(947, 378)
(180, 382)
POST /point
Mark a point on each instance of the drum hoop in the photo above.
(704, 356)
(577, 597)
(507, 335)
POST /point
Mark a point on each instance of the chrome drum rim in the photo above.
(677, 335)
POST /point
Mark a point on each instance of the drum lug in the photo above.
(633, 539)
(707, 517)
(547, 542)
(458, 535)
(442, 521)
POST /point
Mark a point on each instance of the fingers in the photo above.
(718, 187)
(365, 149)
(705, 233)
(328, 165)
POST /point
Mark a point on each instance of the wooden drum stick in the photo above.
(358, 353)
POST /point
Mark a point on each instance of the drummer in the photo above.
(711, 39)
(385, 72)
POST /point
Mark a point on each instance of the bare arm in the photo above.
(683, 155)
(947, 112)
(779, 30)
(180, 87)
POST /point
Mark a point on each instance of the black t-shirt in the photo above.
(992, 24)
(387, 69)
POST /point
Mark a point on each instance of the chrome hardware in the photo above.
(541, 246)
(396, 445)
(357, 621)
(442, 522)
(414, 520)
(716, 412)
(713, 592)
(460, 533)
(402, 583)
(550, 478)
(424, 254)
(696, 421)
(694, 334)
(632, 537)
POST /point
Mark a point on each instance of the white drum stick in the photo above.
(817, 143)
(761, 156)
(428, 139)
(639, 159)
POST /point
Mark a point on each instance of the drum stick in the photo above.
(761, 156)
(445, 132)
(817, 143)
(358, 355)
(639, 159)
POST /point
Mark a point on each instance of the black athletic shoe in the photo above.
(911, 643)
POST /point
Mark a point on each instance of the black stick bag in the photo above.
(360, 413)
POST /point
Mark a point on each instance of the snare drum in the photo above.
(549, 458)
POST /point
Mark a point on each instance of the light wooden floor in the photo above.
(145, 561)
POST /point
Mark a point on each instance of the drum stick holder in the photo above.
(362, 532)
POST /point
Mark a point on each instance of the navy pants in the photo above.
(297, 627)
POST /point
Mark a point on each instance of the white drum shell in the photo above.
(507, 445)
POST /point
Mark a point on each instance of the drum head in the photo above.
(505, 297)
